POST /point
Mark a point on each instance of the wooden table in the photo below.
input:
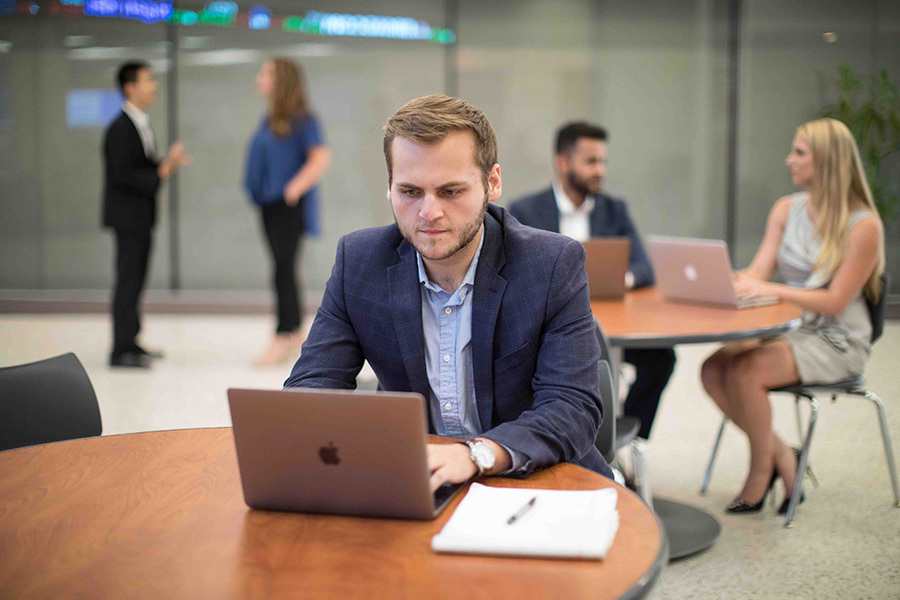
(644, 319)
(161, 515)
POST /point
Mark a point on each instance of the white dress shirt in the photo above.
(574, 221)
(142, 122)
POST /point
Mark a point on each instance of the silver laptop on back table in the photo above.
(695, 270)
(336, 452)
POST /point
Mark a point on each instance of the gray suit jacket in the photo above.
(534, 350)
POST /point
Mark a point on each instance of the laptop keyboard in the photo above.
(757, 301)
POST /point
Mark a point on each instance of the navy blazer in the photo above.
(608, 219)
(534, 350)
(131, 182)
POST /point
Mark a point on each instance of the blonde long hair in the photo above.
(288, 100)
(839, 182)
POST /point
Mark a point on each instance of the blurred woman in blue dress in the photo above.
(286, 159)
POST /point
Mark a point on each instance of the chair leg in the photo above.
(797, 490)
(639, 468)
(712, 459)
(801, 436)
(886, 438)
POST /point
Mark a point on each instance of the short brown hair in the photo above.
(428, 120)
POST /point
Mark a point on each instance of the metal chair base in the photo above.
(855, 387)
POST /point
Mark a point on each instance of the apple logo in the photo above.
(690, 272)
(329, 454)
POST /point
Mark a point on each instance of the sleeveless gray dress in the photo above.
(825, 348)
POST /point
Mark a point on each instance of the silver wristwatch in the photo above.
(481, 454)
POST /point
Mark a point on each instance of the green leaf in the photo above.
(869, 105)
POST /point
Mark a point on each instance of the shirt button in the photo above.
(448, 310)
(448, 406)
(446, 358)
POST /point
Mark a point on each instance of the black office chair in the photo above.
(47, 401)
(618, 432)
(855, 386)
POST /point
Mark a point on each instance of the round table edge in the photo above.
(638, 341)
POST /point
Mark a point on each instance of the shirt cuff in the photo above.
(518, 461)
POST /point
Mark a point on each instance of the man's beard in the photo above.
(465, 238)
(580, 185)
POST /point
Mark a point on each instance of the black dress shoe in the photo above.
(739, 506)
(782, 510)
(129, 359)
(148, 353)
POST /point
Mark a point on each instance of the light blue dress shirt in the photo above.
(447, 328)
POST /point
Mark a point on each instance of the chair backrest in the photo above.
(606, 436)
(47, 401)
(876, 309)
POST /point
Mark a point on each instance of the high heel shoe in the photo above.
(782, 510)
(739, 506)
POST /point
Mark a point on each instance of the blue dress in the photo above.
(272, 161)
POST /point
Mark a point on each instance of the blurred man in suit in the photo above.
(133, 174)
(574, 205)
(489, 320)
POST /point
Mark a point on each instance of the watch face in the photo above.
(483, 455)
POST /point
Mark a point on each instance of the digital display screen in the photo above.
(92, 108)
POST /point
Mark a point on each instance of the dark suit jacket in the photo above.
(534, 350)
(131, 180)
(608, 219)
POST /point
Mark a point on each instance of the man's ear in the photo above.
(562, 164)
(495, 184)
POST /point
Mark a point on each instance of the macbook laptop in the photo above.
(606, 264)
(336, 452)
(693, 270)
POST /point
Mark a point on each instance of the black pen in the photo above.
(521, 512)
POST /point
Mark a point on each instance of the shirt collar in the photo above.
(469, 279)
(565, 204)
(139, 117)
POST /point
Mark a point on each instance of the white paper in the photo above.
(562, 523)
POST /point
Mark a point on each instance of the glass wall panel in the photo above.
(790, 54)
(657, 79)
(654, 78)
(21, 243)
(355, 84)
(58, 96)
(58, 72)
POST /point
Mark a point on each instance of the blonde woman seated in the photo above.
(827, 244)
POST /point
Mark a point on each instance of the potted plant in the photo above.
(870, 107)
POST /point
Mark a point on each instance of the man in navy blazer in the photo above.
(489, 320)
(575, 206)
